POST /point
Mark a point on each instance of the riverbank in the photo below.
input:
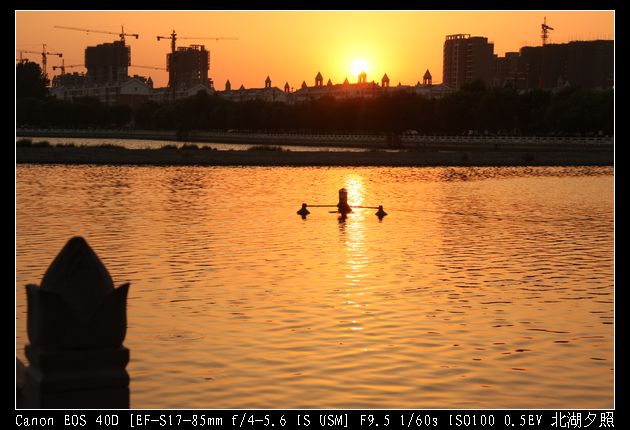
(367, 141)
(205, 157)
(290, 139)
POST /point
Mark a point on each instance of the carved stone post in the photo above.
(77, 322)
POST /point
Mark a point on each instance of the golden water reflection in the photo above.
(354, 183)
(467, 289)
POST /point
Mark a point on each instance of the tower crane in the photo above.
(545, 35)
(545, 31)
(174, 37)
(149, 67)
(21, 59)
(122, 33)
(44, 54)
(63, 67)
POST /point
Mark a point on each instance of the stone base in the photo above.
(89, 379)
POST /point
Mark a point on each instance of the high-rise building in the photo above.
(188, 66)
(107, 78)
(467, 59)
(107, 62)
(588, 64)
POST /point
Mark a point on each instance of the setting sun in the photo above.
(402, 44)
(359, 66)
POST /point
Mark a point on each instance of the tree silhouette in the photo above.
(30, 81)
(475, 108)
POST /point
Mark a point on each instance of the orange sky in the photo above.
(294, 46)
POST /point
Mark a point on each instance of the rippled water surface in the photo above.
(482, 288)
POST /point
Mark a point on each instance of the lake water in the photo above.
(482, 288)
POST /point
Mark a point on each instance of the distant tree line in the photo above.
(83, 112)
(36, 108)
(474, 108)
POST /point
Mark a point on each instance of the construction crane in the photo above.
(545, 31)
(174, 37)
(122, 33)
(44, 54)
(545, 35)
(21, 59)
(149, 67)
(63, 67)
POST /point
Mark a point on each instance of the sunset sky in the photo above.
(294, 46)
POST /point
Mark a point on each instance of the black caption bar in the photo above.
(316, 419)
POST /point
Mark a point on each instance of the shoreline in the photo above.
(287, 139)
(365, 141)
(370, 158)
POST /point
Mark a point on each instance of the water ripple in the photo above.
(480, 280)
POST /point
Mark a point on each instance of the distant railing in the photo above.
(350, 139)
(510, 140)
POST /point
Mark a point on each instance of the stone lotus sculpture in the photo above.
(76, 324)
(76, 306)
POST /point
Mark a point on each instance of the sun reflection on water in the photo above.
(355, 185)
(355, 299)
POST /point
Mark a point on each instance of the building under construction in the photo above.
(107, 62)
(467, 59)
(588, 64)
(107, 78)
(188, 66)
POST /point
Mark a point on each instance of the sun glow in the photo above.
(359, 66)
(354, 185)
